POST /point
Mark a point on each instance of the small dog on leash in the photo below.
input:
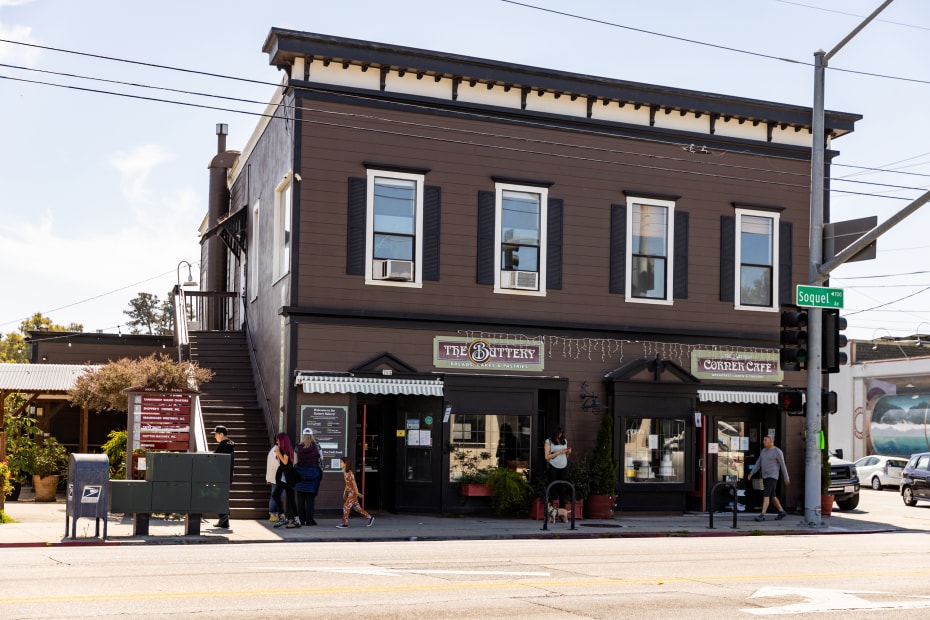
(557, 514)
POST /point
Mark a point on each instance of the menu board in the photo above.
(330, 429)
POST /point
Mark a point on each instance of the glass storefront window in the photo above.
(485, 441)
(654, 450)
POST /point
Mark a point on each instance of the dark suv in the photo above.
(844, 483)
(915, 479)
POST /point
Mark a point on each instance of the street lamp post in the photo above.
(180, 311)
(812, 461)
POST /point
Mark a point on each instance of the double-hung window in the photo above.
(756, 243)
(394, 228)
(649, 252)
(282, 216)
(520, 234)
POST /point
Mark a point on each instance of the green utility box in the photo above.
(210, 468)
(170, 466)
(209, 497)
(130, 496)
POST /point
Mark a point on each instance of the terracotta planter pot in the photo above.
(599, 507)
(475, 490)
(46, 487)
(826, 505)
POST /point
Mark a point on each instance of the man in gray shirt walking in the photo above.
(771, 462)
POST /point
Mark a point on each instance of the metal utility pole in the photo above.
(812, 461)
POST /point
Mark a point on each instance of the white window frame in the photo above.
(420, 179)
(543, 192)
(283, 237)
(737, 279)
(669, 250)
(253, 252)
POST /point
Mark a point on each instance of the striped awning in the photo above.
(41, 377)
(738, 396)
(321, 384)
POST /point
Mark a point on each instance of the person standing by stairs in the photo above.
(225, 445)
(310, 468)
(285, 480)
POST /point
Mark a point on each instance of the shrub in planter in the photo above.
(510, 492)
(49, 458)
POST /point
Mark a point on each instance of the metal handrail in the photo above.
(546, 503)
(265, 403)
(713, 494)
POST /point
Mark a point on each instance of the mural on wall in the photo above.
(896, 424)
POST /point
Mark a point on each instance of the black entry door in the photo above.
(738, 440)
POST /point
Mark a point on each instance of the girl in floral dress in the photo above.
(351, 495)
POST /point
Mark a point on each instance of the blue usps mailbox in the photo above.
(88, 489)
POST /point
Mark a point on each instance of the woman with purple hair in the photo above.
(285, 479)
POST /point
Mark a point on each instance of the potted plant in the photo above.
(46, 462)
(510, 492)
(826, 499)
(602, 473)
(21, 432)
(472, 469)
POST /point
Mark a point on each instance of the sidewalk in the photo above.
(44, 524)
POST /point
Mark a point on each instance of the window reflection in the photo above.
(654, 450)
(488, 441)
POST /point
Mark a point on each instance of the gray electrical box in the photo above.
(88, 490)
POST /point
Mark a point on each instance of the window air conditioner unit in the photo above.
(523, 280)
(397, 270)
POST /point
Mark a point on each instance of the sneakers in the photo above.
(781, 515)
(281, 522)
(371, 519)
(342, 526)
(760, 518)
(222, 524)
(273, 519)
(292, 523)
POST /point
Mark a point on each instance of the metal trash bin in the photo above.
(88, 490)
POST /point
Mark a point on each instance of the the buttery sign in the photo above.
(736, 365)
(488, 353)
(330, 429)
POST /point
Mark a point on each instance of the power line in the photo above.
(223, 76)
(711, 45)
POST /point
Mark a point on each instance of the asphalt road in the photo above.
(818, 576)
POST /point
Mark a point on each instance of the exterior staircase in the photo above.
(230, 399)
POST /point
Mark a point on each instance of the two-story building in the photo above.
(434, 249)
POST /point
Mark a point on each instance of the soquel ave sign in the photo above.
(810, 296)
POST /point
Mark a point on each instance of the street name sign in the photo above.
(809, 296)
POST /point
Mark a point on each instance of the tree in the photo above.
(37, 322)
(103, 388)
(13, 348)
(149, 315)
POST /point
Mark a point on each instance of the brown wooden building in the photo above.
(437, 249)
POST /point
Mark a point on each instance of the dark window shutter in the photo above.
(432, 203)
(785, 288)
(485, 267)
(355, 241)
(680, 286)
(554, 244)
(618, 249)
(727, 257)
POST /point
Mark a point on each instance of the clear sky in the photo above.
(101, 195)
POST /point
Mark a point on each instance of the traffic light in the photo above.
(791, 402)
(827, 402)
(833, 340)
(793, 338)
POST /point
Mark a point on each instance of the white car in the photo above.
(880, 471)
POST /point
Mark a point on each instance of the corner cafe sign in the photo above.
(739, 366)
(488, 353)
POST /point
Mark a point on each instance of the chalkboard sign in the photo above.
(330, 428)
